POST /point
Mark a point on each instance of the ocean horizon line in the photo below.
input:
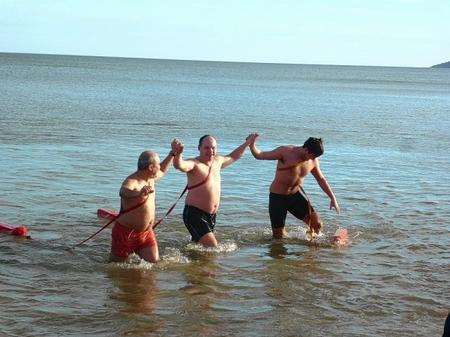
(215, 61)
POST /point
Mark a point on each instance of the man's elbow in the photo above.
(255, 155)
(235, 157)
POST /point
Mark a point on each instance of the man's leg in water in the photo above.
(277, 213)
(300, 207)
(208, 240)
(314, 222)
(149, 253)
(200, 225)
(119, 251)
(279, 233)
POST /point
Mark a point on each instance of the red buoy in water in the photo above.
(14, 230)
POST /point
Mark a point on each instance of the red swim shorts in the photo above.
(126, 241)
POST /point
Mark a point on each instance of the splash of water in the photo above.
(223, 247)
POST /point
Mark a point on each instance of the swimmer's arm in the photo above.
(165, 164)
(320, 178)
(183, 165)
(276, 154)
(130, 190)
(235, 155)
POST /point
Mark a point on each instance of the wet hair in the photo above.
(314, 146)
(145, 159)
(200, 141)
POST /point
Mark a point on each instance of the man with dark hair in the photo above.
(286, 191)
(447, 327)
(132, 231)
(203, 198)
(314, 146)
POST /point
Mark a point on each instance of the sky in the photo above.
(409, 33)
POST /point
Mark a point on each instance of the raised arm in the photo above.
(129, 190)
(178, 162)
(165, 164)
(276, 154)
(235, 154)
(320, 178)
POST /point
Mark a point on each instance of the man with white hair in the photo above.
(132, 231)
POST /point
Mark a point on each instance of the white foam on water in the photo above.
(321, 239)
(223, 247)
(253, 235)
(303, 234)
(133, 262)
(173, 256)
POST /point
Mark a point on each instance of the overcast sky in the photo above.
(391, 33)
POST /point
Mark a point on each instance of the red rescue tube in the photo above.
(340, 237)
(106, 214)
(14, 230)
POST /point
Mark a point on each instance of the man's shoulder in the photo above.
(315, 163)
(131, 180)
(194, 160)
(286, 147)
(219, 158)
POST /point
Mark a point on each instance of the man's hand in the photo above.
(315, 227)
(177, 146)
(146, 190)
(334, 204)
(173, 146)
(251, 138)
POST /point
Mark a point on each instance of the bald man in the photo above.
(132, 231)
(203, 175)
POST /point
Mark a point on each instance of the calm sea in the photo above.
(71, 129)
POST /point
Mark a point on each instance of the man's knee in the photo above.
(150, 254)
(153, 259)
(208, 240)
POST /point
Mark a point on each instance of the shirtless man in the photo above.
(132, 231)
(286, 191)
(203, 198)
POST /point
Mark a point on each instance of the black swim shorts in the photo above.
(280, 204)
(198, 222)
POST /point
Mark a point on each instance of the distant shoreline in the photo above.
(213, 61)
(442, 65)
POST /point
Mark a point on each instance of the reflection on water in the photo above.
(134, 296)
(135, 288)
(277, 250)
(200, 295)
